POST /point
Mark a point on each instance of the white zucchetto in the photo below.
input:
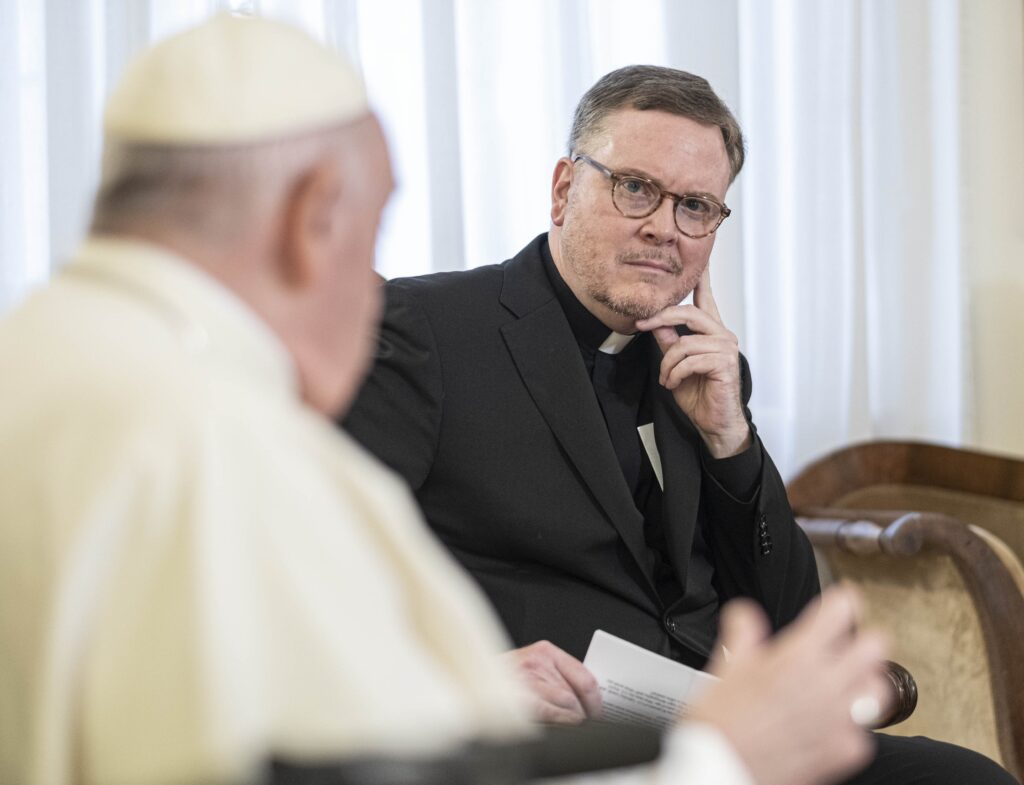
(233, 79)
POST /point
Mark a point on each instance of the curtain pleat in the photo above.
(844, 269)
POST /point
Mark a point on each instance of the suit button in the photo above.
(671, 626)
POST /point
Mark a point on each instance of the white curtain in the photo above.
(853, 269)
(842, 269)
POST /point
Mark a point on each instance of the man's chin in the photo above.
(636, 307)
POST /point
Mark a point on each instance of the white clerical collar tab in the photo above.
(615, 343)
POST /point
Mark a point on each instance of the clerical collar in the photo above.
(591, 333)
(615, 343)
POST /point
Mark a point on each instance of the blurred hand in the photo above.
(562, 689)
(784, 702)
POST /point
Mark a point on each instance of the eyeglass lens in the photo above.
(638, 198)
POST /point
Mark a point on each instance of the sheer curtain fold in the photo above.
(81, 47)
(24, 244)
(856, 314)
(842, 269)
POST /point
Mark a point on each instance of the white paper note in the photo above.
(639, 686)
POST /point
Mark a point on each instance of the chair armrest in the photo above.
(904, 691)
(852, 532)
(993, 587)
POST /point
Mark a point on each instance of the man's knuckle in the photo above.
(566, 698)
(545, 712)
(532, 661)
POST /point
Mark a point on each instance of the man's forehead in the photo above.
(670, 148)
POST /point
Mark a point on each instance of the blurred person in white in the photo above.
(197, 569)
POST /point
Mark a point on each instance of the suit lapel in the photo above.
(548, 359)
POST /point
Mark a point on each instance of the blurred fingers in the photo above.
(833, 619)
(742, 628)
(563, 689)
(582, 682)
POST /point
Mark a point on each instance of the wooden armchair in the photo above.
(934, 537)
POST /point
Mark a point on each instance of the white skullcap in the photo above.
(233, 79)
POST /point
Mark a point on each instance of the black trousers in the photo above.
(919, 761)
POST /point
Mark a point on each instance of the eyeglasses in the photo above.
(637, 197)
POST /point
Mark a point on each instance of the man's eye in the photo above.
(695, 206)
(634, 187)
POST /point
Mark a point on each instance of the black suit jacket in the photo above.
(480, 399)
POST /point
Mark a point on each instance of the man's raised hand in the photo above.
(703, 370)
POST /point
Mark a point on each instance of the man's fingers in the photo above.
(693, 345)
(665, 336)
(859, 665)
(704, 299)
(829, 623)
(742, 628)
(545, 712)
(558, 681)
(558, 699)
(696, 365)
(839, 613)
(858, 674)
(582, 682)
(697, 320)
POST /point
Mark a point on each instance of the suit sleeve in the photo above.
(760, 552)
(397, 414)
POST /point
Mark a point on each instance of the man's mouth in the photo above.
(653, 265)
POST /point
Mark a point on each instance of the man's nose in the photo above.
(660, 226)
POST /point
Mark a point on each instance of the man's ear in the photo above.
(561, 180)
(310, 227)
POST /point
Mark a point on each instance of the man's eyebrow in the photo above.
(705, 194)
(639, 173)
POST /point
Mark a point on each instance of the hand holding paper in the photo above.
(639, 686)
(562, 690)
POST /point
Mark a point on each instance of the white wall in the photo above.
(993, 174)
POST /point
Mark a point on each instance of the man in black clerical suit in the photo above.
(579, 440)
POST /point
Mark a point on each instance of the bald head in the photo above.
(219, 195)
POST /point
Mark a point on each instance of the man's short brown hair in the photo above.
(656, 87)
